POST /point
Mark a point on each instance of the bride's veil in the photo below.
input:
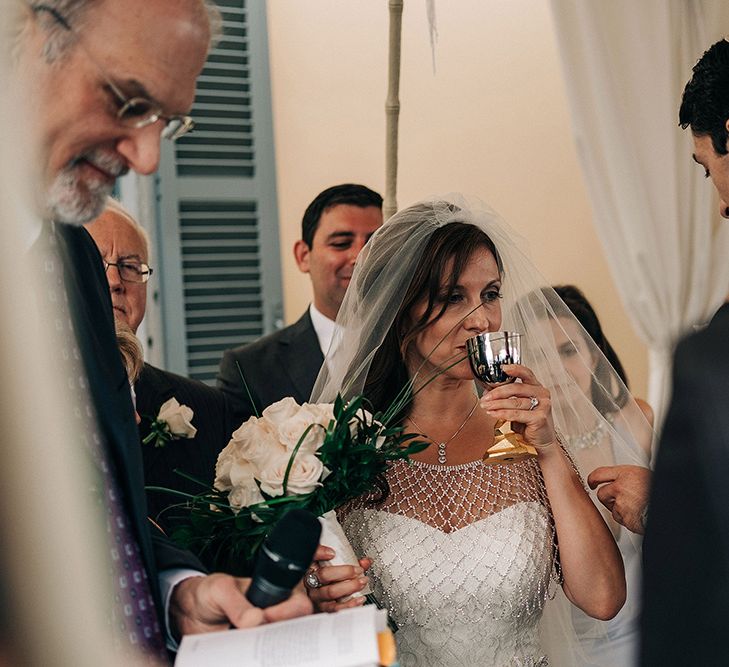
(601, 425)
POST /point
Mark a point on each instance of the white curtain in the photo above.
(625, 65)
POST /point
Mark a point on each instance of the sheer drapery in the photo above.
(625, 65)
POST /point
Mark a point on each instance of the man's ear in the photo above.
(301, 254)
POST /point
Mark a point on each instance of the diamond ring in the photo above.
(533, 402)
(311, 580)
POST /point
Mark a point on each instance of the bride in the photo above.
(465, 553)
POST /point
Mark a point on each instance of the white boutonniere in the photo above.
(173, 422)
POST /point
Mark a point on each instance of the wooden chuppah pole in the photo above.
(392, 108)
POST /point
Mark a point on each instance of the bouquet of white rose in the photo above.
(312, 456)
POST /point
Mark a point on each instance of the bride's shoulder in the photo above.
(646, 409)
(636, 418)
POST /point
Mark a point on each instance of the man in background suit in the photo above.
(334, 229)
(686, 547)
(124, 248)
(105, 80)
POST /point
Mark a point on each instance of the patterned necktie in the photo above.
(133, 611)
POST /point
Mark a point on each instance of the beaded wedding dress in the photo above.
(464, 557)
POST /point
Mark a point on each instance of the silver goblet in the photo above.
(488, 351)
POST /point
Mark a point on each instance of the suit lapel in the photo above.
(152, 390)
(300, 356)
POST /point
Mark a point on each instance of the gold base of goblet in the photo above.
(508, 447)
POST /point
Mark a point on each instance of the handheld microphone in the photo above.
(284, 557)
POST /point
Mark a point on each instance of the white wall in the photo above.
(492, 121)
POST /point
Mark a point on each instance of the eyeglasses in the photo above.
(135, 112)
(131, 272)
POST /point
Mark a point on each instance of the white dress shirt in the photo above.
(324, 328)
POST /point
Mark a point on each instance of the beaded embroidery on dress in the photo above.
(465, 558)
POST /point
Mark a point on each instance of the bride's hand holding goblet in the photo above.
(526, 404)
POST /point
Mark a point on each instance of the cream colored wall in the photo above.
(492, 121)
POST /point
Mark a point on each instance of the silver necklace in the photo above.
(589, 439)
(442, 454)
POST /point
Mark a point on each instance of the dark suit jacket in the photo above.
(213, 418)
(686, 546)
(284, 363)
(90, 305)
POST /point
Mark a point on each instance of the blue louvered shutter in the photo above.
(220, 281)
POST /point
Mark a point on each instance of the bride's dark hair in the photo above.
(444, 258)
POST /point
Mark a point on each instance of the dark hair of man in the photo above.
(445, 257)
(350, 194)
(582, 309)
(705, 102)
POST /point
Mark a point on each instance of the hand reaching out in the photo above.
(624, 491)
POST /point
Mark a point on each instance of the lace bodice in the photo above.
(464, 559)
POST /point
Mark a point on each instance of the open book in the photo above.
(351, 638)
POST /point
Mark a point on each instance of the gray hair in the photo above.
(115, 206)
(60, 37)
(215, 20)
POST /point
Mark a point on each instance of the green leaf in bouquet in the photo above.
(338, 403)
(247, 388)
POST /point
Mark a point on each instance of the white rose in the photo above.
(324, 411)
(304, 476)
(242, 473)
(226, 458)
(255, 442)
(271, 478)
(244, 496)
(234, 474)
(316, 415)
(281, 410)
(291, 430)
(178, 418)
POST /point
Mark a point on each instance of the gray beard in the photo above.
(72, 201)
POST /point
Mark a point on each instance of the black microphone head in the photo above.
(295, 537)
(284, 557)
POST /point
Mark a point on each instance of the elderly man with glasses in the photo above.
(124, 249)
(108, 119)
(106, 81)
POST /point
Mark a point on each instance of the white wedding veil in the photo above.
(599, 426)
